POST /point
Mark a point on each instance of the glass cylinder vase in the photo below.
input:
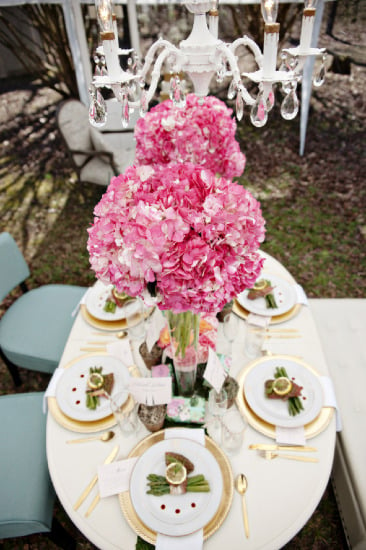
(184, 332)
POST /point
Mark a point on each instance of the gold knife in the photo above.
(263, 447)
(95, 501)
(86, 492)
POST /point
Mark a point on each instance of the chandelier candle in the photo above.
(307, 30)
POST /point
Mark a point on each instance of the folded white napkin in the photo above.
(261, 321)
(114, 478)
(51, 388)
(290, 436)
(195, 540)
(330, 399)
(300, 295)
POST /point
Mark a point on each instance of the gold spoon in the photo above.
(121, 334)
(107, 436)
(241, 485)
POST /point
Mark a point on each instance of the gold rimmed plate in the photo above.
(107, 325)
(312, 428)
(243, 313)
(82, 426)
(217, 519)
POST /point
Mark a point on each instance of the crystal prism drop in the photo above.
(232, 90)
(290, 106)
(144, 105)
(221, 72)
(270, 100)
(319, 78)
(125, 111)
(239, 106)
(97, 108)
(286, 87)
(259, 113)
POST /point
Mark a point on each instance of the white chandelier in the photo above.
(201, 56)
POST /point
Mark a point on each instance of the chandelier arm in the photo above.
(231, 60)
(149, 58)
(156, 72)
(251, 45)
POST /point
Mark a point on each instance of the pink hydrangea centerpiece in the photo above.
(179, 232)
(202, 133)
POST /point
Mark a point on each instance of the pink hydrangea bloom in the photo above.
(178, 229)
(201, 134)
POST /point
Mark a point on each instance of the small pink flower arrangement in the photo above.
(180, 232)
(206, 338)
(202, 134)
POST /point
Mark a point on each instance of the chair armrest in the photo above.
(108, 156)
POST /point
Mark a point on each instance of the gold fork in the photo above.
(270, 455)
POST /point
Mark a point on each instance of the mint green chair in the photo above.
(27, 495)
(34, 329)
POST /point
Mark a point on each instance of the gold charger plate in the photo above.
(227, 493)
(312, 429)
(84, 426)
(121, 324)
(275, 319)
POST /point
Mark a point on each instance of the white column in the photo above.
(79, 47)
(132, 25)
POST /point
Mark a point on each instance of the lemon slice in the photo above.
(259, 285)
(176, 473)
(120, 295)
(95, 381)
(282, 386)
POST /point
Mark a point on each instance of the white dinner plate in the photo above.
(95, 301)
(283, 292)
(176, 515)
(70, 391)
(275, 411)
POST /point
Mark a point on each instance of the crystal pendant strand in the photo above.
(98, 69)
(144, 104)
(290, 104)
(125, 109)
(319, 77)
(270, 101)
(258, 112)
(221, 72)
(97, 108)
(176, 93)
(231, 93)
(239, 105)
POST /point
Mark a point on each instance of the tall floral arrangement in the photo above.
(202, 133)
(179, 232)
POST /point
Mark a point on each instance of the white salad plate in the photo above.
(275, 411)
(71, 388)
(96, 299)
(283, 292)
(176, 515)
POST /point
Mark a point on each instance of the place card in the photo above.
(114, 478)
(154, 326)
(214, 373)
(151, 391)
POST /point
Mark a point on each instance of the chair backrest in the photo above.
(13, 267)
(73, 123)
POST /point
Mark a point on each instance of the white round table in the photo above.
(282, 494)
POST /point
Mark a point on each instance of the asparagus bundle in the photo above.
(159, 485)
